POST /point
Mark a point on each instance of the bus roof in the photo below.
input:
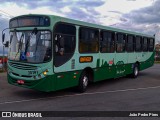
(87, 24)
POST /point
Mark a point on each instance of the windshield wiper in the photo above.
(20, 45)
(34, 31)
(37, 44)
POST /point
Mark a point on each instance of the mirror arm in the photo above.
(3, 35)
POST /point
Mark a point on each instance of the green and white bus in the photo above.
(49, 53)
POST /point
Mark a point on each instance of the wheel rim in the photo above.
(85, 81)
(136, 71)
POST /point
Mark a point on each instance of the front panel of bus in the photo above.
(30, 57)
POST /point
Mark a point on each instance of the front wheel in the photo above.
(135, 71)
(83, 82)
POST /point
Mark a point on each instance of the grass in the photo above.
(157, 62)
(1, 71)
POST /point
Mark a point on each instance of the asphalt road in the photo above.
(123, 94)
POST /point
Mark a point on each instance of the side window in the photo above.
(88, 40)
(64, 40)
(107, 42)
(138, 44)
(130, 43)
(151, 44)
(145, 44)
(120, 43)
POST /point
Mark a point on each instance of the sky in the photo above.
(135, 15)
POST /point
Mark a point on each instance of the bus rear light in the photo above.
(20, 82)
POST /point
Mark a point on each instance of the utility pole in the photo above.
(4, 45)
(3, 60)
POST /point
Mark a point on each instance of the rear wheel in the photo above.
(135, 71)
(83, 82)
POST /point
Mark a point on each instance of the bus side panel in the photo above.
(105, 66)
(67, 79)
(103, 73)
(121, 61)
(148, 62)
(128, 68)
(133, 57)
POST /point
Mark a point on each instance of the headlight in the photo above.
(45, 72)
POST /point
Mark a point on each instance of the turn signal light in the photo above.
(44, 73)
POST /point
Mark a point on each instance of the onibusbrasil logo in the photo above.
(21, 114)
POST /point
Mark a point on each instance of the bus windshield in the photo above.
(29, 46)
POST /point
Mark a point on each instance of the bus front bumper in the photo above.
(45, 84)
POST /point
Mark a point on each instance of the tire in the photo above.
(135, 71)
(83, 82)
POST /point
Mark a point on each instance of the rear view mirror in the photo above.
(7, 44)
(3, 37)
(35, 31)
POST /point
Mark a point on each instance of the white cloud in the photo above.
(123, 6)
(112, 10)
(107, 15)
(106, 12)
(66, 9)
(14, 9)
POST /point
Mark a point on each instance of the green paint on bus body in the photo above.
(50, 83)
(104, 65)
(64, 80)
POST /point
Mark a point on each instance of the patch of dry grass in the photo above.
(157, 62)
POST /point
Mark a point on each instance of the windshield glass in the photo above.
(30, 46)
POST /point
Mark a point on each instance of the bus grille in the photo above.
(22, 66)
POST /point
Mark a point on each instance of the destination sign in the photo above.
(29, 21)
(84, 59)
